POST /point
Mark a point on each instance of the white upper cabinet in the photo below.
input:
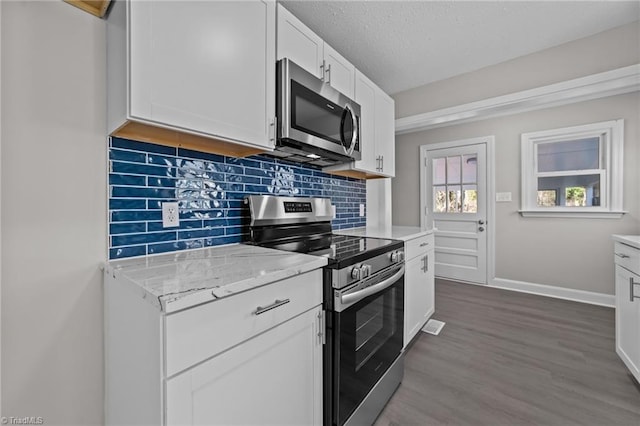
(377, 126)
(338, 72)
(385, 133)
(377, 132)
(203, 68)
(298, 43)
(365, 95)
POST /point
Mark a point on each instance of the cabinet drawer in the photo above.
(196, 334)
(628, 257)
(418, 246)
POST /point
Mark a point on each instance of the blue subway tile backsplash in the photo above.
(210, 191)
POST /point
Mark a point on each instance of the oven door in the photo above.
(314, 114)
(367, 339)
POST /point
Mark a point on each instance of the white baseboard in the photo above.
(583, 296)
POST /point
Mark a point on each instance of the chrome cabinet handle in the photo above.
(426, 263)
(382, 163)
(631, 295)
(322, 70)
(622, 255)
(328, 72)
(261, 310)
(424, 244)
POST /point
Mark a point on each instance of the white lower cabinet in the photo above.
(627, 267)
(249, 358)
(274, 378)
(419, 294)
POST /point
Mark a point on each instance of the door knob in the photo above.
(481, 222)
(481, 229)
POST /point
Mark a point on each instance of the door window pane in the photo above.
(470, 199)
(440, 199)
(439, 171)
(469, 168)
(454, 202)
(453, 169)
(580, 154)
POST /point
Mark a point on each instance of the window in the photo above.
(455, 184)
(573, 172)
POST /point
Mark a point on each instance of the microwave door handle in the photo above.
(350, 298)
(354, 127)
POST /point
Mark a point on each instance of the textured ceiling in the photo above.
(405, 44)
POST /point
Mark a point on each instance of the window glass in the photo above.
(469, 169)
(580, 154)
(470, 203)
(440, 199)
(573, 191)
(439, 171)
(454, 202)
(453, 169)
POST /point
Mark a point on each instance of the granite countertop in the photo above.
(404, 233)
(179, 280)
(632, 240)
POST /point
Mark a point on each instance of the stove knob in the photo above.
(356, 272)
(366, 271)
(395, 257)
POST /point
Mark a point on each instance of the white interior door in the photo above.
(456, 204)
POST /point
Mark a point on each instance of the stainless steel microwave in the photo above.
(316, 123)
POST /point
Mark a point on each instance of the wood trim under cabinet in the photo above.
(354, 174)
(94, 7)
(159, 135)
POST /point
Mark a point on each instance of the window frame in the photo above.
(611, 135)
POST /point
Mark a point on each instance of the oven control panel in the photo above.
(297, 207)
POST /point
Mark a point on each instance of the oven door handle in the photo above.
(351, 298)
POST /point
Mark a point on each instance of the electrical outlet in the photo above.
(170, 216)
(361, 210)
(333, 210)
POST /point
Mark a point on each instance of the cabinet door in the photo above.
(206, 67)
(417, 296)
(628, 320)
(365, 95)
(274, 378)
(431, 287)
(339, 72)
(298, 43)
(385, 132)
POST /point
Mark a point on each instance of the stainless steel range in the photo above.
(364, 302)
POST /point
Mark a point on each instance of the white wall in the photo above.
(53, 177)
(567, 253)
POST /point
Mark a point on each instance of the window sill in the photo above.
(570, 214)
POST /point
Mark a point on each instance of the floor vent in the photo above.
(433, 327)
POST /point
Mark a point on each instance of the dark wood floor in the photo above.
(508, 358)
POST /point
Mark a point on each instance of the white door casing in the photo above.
(461, 173)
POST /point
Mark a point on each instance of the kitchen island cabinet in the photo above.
(627, 267)
(196, 74)
(197, 337)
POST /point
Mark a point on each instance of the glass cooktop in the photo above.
(341, 250)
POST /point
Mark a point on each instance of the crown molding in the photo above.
(608, 83)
